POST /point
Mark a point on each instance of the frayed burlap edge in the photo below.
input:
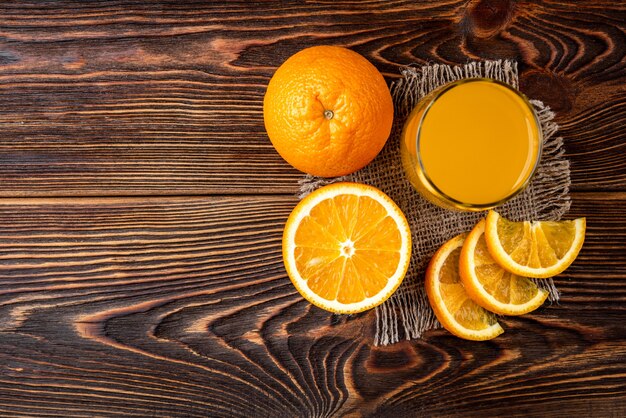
(407, 314)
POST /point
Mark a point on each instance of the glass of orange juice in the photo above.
(472, 144)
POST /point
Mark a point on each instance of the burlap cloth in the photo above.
(407, 314)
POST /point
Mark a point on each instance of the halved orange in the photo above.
(456, 311)
(534, 249)
(490, 285)
(346, 247)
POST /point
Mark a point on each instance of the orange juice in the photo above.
(471, 145)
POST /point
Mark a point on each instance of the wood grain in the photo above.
(164, 97)
(181, 307)
(114, 305)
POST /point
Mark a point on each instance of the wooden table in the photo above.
(142, 210)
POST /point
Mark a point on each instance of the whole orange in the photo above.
(328, 111)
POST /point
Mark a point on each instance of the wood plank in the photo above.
(181, 306)
(136, 98)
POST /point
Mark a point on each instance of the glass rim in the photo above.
(474, 206)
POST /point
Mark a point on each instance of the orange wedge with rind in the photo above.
(489, 285)
(538, 249)
(452, 305)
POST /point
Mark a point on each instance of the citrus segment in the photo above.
(490, 285)
(534, 249)
(456, 311)
(346, 247)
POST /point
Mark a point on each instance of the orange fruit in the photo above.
(534, 249)
(489, 285)
(346, 247)
(327, 111)
(453, 307)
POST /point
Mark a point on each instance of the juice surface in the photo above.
(478, 142)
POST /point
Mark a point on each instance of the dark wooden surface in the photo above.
(142, 210)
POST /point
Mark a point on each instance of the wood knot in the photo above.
(553, 90)
(486, 18)
(392, 358)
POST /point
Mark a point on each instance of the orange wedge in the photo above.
(346, 247)
(489, 285)
(456, 311)
(534, 249)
